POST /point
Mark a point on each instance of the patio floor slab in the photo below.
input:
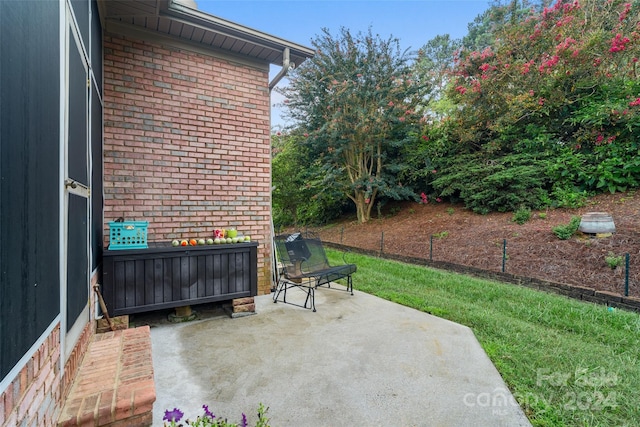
(359, 360)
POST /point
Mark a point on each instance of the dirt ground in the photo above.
(463, 237)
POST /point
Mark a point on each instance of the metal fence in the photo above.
(599, 267)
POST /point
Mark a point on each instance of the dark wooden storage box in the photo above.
(163, 276)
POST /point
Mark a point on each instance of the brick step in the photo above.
(114, 385)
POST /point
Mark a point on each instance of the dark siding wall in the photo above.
(29, 178)
(97, 226)
(76, 267)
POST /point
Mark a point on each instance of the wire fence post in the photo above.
(626, 274)
(431, 248)
(382, 243)
(504, 254)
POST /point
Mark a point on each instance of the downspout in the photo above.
(286, 66)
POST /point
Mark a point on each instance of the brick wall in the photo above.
(186, 143)
(35, 396)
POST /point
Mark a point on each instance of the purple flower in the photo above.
(175, 415)
(243, 423)
(207, 412)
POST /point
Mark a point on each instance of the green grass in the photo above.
(568, 363)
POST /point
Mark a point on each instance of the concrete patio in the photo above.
(359, 360)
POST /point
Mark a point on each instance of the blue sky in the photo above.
(413, 22)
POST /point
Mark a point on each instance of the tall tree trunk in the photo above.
(364, 204)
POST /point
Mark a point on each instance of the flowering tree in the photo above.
(356, 101)
(564, 69)
(557, 88)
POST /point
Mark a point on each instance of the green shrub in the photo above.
(522, 215)
(613, 260)
(500, 184)
(564, 232)
(568, 197)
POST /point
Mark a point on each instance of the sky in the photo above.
(413, 22)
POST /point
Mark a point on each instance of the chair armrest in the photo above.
(344, 256)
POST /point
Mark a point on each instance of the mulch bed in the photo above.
(463, 237)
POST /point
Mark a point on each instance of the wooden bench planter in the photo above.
(163, 276)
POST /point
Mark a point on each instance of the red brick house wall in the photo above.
(187, 142)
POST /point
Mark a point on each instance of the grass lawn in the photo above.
(567, 362)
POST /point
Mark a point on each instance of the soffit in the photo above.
(177, 20)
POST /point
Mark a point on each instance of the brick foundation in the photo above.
(33, 397)
(242, 307)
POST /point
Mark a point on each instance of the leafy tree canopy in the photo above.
(356, 101)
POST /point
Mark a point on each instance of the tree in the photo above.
(357, 100)
(436, 61)
(556, 89)
(297, 181)
(484, 28)
(288, 164)
(562, 71)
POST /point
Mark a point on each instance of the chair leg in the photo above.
(311, 296)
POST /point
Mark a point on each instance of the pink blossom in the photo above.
(434, 171)
(526, 66)
(424, 198)
(425, 137)
(548, 64)
(438, 199)
(625, 12)
(306, 135)
(635, 103)
(565, 44)
(461, 89)
(618, 43)
(486, 53)
(402, 119)
(390, 104)
(367, 200)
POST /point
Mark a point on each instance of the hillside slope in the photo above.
(463, 237)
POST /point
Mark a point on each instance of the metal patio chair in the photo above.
(303, 264)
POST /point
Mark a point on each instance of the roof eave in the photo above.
(298, 52)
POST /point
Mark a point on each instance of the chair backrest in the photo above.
(299, 256)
